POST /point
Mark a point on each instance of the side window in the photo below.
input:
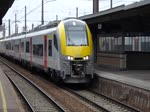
(16, 47)
(38, 49)
(22, 46)
(27, 47)
(13, 42)
(55, 42)
(12, 47)
(8, 45)
(50, 47)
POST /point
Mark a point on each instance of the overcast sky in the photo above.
(62, 8)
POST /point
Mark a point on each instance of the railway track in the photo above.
(67, 100)
(36, 98)
(101, 102)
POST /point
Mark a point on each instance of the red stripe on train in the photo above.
(45, 52)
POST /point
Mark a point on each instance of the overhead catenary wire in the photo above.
(32, 10)
(37, 5)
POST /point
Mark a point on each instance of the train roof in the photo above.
(40, 30)
(31, 34)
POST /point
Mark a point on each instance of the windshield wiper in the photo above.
(70, 41)
(83, 45)
(71, 44)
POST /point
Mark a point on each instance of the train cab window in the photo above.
(55, 42)
(50, 47)
(27, 47)
(76, 36)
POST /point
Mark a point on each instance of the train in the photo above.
(64, 51)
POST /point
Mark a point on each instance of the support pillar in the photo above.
(95, 6)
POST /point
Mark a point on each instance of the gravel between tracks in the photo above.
(67, 100)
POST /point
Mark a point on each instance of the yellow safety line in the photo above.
(3, 98)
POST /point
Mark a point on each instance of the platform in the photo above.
(136, 78)
(9, 101)
(131, 87)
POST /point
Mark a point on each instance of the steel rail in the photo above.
(116, 101)
(60, 109)
(86, 100)
(75, 92)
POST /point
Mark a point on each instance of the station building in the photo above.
(121, 36)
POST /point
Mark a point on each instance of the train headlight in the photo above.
(70, 58)
(86, 58)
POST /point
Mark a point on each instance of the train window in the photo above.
(38, 49)
(50, 47)
(76, 36)
(12, 47)
(8, 45)
(16, 48)
(55, 42)
(13, 42)
(27, 47)
(22, 46)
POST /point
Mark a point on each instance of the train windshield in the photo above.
(76, 36)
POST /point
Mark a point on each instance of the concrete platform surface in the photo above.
(136, 78)
(9, 101)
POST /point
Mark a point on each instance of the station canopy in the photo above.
(4, 6)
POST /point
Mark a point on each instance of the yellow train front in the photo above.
(76, 51)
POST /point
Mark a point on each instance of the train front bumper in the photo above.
(77, 71)
(85, 79)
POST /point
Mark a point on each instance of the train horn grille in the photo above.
(78, 58)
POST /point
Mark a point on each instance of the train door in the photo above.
(22, 50)
(19, 49)
(31, 51)
(45, 52)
